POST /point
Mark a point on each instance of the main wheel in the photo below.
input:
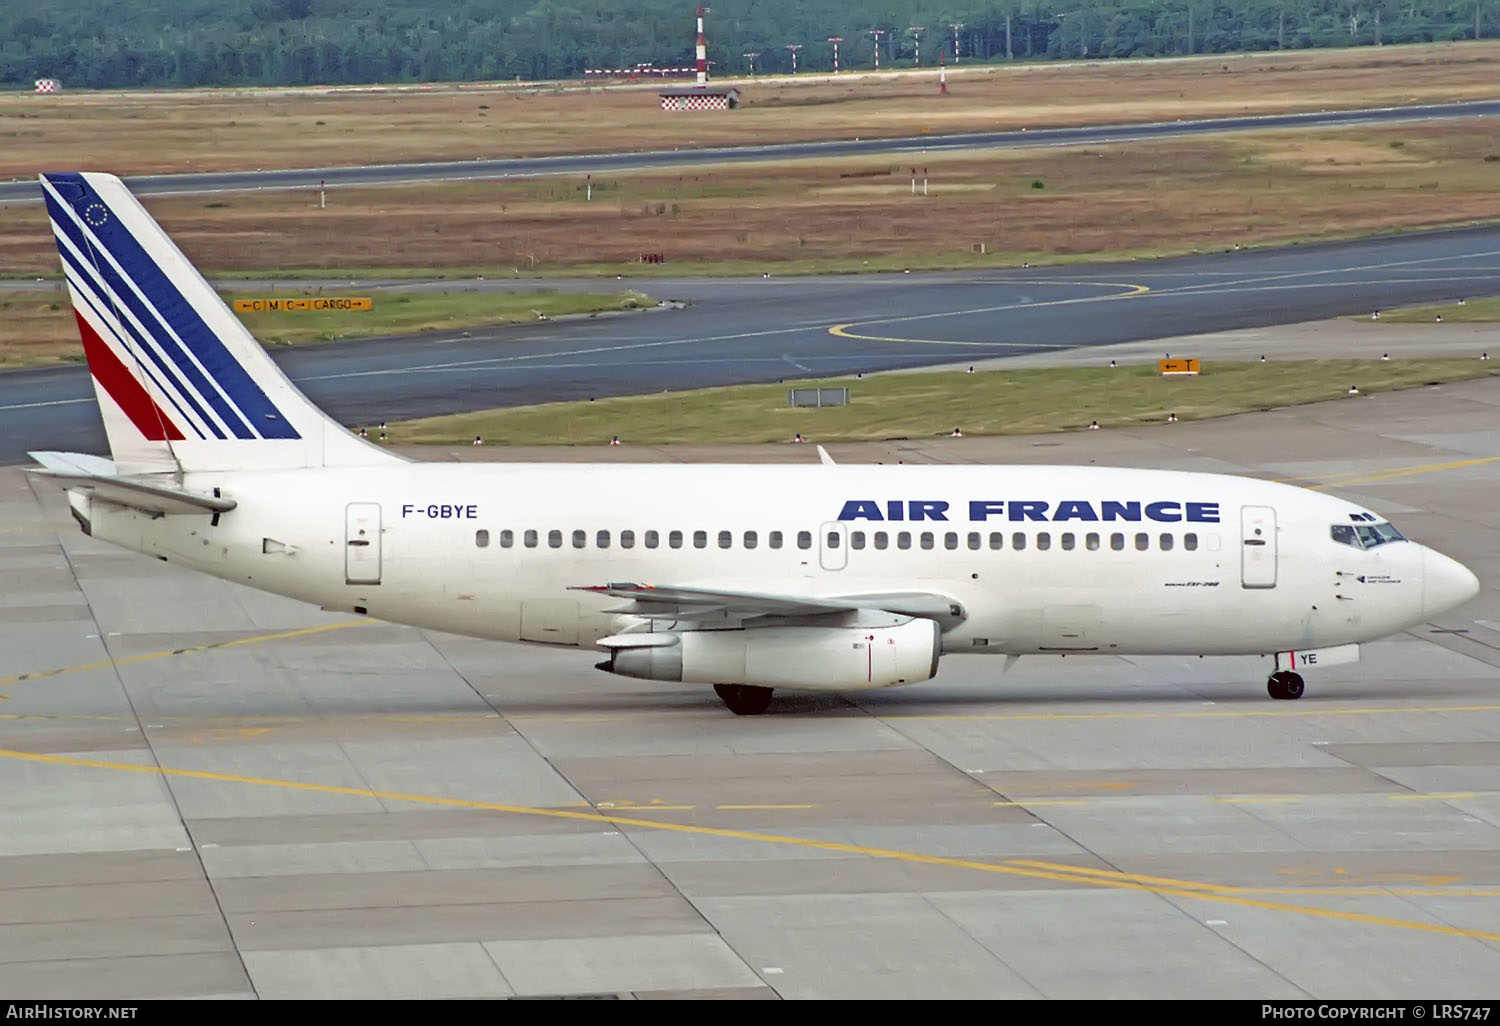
(1285, 685)
(744, 699)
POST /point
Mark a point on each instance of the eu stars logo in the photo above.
(95, 214)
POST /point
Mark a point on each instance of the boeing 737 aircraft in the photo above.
(749, 578)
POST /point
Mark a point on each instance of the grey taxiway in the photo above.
(207, 791)
(733, 331)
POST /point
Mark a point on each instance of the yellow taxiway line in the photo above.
(1056, 872)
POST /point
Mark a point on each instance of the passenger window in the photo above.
(507, 538)
(1117, 541)
(804, 539)
(950, 540)
(927, 540)
(1190, 542)
(881, 539)
(652, 539)
(750, 540)
(601, 540)
(997, 540)
(726, 539)
(1067, 540)
(1018, 541)
(1043, 541)
(833, 539)
(1142, 542)
(627, 539)
(775, 539)
(1091, 542)
(700, 539)
(975, 540)
(856, 539)
(1166, 542)
(675, 539)
(482, 539)
(580, 539)
(530, 539)
(903, 539)
(554, 539)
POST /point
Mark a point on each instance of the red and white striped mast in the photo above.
(702, 51)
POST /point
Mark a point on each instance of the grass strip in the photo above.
(928, 405)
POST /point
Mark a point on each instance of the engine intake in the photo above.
(806, 658)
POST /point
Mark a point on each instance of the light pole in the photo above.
(835, 40)
(794, 47)
(1083, 42)
(877, 33)
(752, 55)
(955, 25)
(916, 42)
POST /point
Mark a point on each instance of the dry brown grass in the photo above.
(1143, 198)
(139, 133)
(37, 328)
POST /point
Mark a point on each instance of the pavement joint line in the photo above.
(1025, 868)
(1227, 889)
(1199, 714)
(168, 653)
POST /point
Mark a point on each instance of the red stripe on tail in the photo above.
(123, 387)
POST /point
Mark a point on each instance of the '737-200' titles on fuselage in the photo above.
(1164, 511)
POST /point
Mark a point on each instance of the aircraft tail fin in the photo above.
(181, 384)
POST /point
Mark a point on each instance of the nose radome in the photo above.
(1446, 583)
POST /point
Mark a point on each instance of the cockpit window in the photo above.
(1366, 535)
(1378, 534)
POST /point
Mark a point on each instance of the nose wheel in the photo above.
(1285, 684)
(744, 699)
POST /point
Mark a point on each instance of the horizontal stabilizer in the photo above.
(96, 476)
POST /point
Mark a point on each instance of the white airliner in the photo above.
(814, 578)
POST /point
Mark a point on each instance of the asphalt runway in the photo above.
(735, 331)
(526, 167)
(209, 792)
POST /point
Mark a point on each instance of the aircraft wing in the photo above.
(96, 475)
(693, 603)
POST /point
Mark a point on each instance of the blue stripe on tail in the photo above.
(151, 363)
(252, 412)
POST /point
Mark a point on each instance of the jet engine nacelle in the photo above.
(806, 658)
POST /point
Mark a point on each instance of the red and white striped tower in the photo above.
(942, 72)
(702, 51)
(835, 40)
(877, 33)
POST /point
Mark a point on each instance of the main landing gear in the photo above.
(1285, 684)
(747, 699)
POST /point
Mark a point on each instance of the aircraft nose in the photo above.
(1446, 583)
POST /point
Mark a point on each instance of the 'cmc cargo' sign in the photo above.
(325, 303)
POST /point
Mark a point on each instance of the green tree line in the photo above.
(156, 43)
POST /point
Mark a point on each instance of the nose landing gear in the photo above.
(1285, 684)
